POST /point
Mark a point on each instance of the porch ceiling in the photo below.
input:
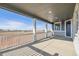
(47, 11)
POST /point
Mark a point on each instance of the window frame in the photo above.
(55, 26)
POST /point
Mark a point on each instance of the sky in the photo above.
(13, 21)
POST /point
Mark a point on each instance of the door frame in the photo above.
(71, 28)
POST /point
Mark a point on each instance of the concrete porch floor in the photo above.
(56, 46)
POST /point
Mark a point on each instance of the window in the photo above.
(57, 26)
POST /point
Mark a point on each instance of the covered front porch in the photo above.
(54, 46)
(54, 41)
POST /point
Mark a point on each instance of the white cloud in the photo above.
(15, 23)
(12, 24)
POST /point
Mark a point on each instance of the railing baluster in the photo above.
(0, 41)
(8, 41)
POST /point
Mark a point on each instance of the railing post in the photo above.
(34, 29)
(46, 30)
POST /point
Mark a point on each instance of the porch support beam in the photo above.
(34, 29)
(53, 29)
(46, 30)
(60, 26)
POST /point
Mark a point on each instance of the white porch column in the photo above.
(34, 29)
(60, 26)
(53, 29)
(46, 30)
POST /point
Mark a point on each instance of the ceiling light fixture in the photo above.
(50, 12)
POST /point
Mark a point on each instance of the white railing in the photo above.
(11, 40)
(7, 41)
(40, 35)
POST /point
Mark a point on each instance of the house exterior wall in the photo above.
(59, 33)
(75, 29)
(74, 21)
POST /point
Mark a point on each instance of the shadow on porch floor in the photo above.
(55, 46)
